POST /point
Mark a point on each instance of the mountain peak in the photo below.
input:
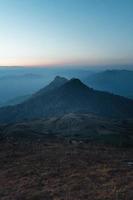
(57, 82)
(68, 96)
(60, 78)
(76, 83)
(76, 80)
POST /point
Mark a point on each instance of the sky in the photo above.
(66, 32)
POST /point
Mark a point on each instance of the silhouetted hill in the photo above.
(116, 81)
(72, 96)
(57, 82)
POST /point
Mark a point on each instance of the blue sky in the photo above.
(66, 32)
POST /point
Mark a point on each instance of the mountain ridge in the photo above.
(119, 82)
(71, 96)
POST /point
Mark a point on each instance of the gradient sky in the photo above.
(60, 32)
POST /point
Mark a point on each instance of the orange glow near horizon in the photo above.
(31, 62)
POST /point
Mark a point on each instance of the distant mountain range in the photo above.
(115, 81)
(62, 96)
(57, 82)
(18, 82)
(15, 101)
(23, 76)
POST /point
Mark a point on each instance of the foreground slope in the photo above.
(55, 169)
(72, 126)
(71, 96)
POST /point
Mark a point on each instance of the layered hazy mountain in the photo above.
(115, 81)
(62, 96)
(22, 81)
(56, 83)
(17, 83)
(15, 101)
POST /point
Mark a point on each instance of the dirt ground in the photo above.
(60, 170)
